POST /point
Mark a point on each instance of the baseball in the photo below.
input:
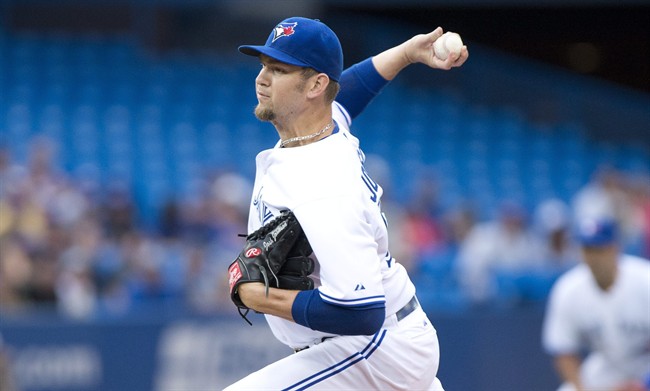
(448, 43)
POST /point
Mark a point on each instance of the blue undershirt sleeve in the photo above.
(359, 85)
(311, 311)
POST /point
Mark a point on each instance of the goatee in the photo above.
(264, 114)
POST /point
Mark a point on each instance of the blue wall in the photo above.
(479, 351)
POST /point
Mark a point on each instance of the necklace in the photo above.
(307, 137)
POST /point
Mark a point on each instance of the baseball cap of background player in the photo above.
(597, 232)
(303, 42)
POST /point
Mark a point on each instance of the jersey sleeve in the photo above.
(560, 334)
(359, 85)
(343, 241)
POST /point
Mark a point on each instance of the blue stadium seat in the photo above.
(118, 110)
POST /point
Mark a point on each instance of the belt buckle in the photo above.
(408, 308)
(296, 350)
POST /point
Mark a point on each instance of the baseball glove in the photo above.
(276, 255)
(294, 274)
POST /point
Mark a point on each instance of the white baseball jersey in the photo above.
(612, 326)
(338, 206)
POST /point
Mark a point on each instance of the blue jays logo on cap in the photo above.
(309, 43)
(284, 30)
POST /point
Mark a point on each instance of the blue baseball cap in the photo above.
(303, 42)
(597, 232)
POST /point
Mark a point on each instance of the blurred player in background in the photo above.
(362, 327)
(601, 308)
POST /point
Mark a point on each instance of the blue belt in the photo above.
(407, 309)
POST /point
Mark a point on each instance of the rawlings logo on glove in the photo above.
(277, 255)
(252, 252)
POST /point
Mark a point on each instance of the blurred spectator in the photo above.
(601, 306)
(421, 232)
(553, 225)
(602, 196)
(170, 219)
(503, 245)
(142, 276)
(6, 372)
(640, 199)
(11, 174)
(609, 194)
(118, 211)
(43, 179)
(41, 288)
(457, 224)
(31, 222)
(15, 273)
(435, 268)
(229, 205)
(67, 204)
(76, 288)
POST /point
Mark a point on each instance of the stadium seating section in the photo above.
(160, 123)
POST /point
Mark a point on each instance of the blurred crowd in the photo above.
(71, 245)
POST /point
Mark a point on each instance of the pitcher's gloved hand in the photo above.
(276, 255)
